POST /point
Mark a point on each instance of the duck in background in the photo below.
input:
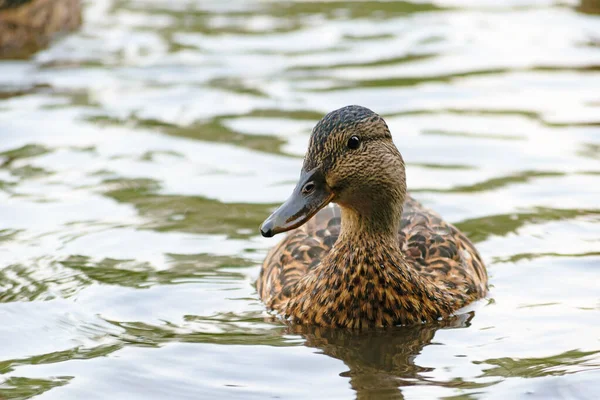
(378, 258)
(27, 26)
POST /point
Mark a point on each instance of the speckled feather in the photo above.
(431, 247)
(423, 273)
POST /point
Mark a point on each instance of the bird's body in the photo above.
(29, 25)
(379, 258)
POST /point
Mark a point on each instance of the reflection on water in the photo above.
(381, 361)
(139, 155)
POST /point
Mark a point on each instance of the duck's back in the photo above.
(436, 249)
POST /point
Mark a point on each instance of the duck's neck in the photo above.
(367, 239)
(378, 223)
(366, 280)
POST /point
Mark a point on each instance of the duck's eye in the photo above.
(353, 142)
(308, 188)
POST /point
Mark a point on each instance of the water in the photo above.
(139, 155)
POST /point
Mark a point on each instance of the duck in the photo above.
(360, 252)
(29, 25)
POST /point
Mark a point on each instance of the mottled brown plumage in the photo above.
(28, 25)
(378, 257)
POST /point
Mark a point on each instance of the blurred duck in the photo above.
(29, 25)
(377, 257)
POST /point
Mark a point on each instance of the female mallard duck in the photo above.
(380, 258)
(28, 25)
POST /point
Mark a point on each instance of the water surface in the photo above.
(139, 155)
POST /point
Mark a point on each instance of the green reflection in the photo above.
(29, 172)
(405, 80)
(216, 132)
(497, 183)
(236, 85)
(182, 269)
(22, 283)
(382, 61)
(19, 285)
(349, 10)
(8, 234)
(22, 172)
(7, 92)
(442, 166)
(192, 214)
(479, 229)
(474, 135)
(295, 13)
(533, 256)
(590, 150)
(25, 388)
(560, 364)
(27, 151)
(66, 277)
(77, 353)
(212, 131)
(224, 329)
(18, 388)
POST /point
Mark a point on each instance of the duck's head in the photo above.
(352, 161)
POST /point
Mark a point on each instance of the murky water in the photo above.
(139, 155)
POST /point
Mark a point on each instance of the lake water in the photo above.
(139, 155)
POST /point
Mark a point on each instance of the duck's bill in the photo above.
(301, 205)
